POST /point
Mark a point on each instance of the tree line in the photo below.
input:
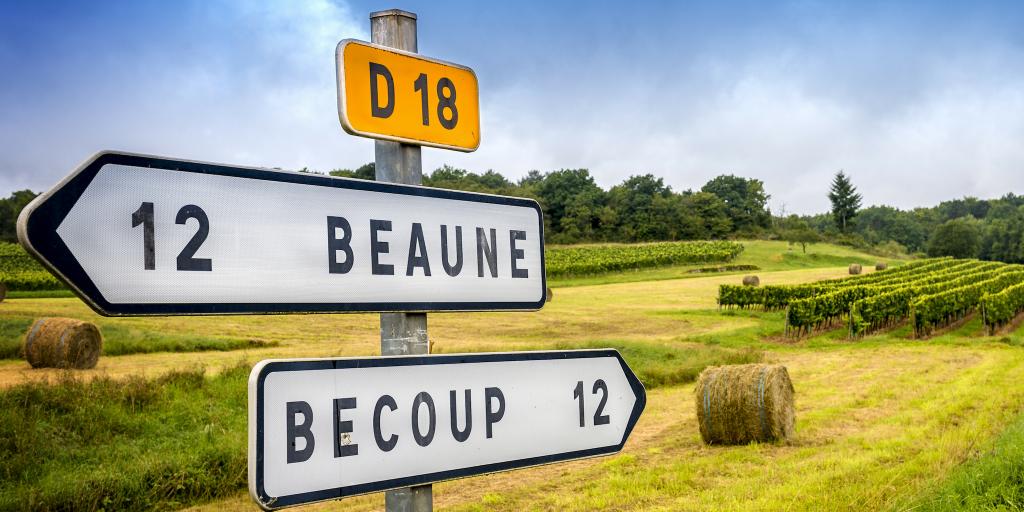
(989, 229)
(640, 209)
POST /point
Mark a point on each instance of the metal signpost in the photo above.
(400, 333)
(325, 429)
(143, 235)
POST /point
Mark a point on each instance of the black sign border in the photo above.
(268, 502)
(37, 231)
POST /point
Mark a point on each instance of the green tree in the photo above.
(960, 238)
(1003, 238)
(567, 194)
(10, 208)
(845, 201)
(453, 178)
(880, 224)
(745, 201)
(1003, 241)
(797, 231)
(647, 209)
(587, 217)
(707, 216)
(956, 208)
(363, 172)
(532, 178)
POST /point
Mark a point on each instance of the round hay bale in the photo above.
(62, 343)
(549, 295)
(751, 281)
(881, 265)
(855, 269)
(738, 404)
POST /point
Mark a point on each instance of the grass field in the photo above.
(883, 423)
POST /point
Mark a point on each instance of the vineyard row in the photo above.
(931, 293)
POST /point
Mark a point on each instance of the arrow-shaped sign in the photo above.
(142, 235)
(322, 429)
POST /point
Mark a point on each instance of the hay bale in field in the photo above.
(738, 404)
(881, 265)
(855, 269)
(548, 295)
(62, 343)
(751, 281)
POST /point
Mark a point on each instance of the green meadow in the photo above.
(884, 422)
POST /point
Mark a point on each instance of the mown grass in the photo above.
(126, 444)
(122, 339)
(663, 364)
(873, 426)
(995, 481)
(643, 312)
(658, 365)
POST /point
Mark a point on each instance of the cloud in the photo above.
(919, 105)
(248, 83)
(911, 129)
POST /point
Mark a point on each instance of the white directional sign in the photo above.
(143, 235)
(329, 428)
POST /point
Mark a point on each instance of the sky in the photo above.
(918, 102)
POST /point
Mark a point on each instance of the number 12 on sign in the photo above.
(599, 417)
(146, 217)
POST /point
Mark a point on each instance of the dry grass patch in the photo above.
(646, 311)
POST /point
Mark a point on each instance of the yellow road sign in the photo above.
(384, 93)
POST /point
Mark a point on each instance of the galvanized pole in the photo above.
(400, 333)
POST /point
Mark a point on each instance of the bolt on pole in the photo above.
(400, 333)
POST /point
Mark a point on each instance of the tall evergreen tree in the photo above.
(845, 201)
